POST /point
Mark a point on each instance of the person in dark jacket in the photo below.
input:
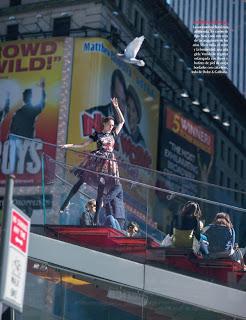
(87, 218)
(132, 229)
(23, 121)
(186, 225)
(221, 238)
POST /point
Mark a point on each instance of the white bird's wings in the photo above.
(133, 47)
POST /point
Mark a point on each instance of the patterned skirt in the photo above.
(95, 163)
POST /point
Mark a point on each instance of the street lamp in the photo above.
(216, 116)
(206, 109)
(226, 123)
(196, 102)
(184, 94)
(156, 34)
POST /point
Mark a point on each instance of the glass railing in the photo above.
(54, 293)
(147, 212)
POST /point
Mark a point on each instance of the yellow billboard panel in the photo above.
(99, 75)
(30, 83)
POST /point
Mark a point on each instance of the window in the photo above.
(194, 9)
(200, 93)
(235, 162)
(230, 121)
(228, 182)
(236, 193)
(222, 146)
(161, 48)
(174, 63)
(183, 72)
(13, 3)
(242, 199)
(221, 181)
(155, 44)
(114, 36)
(208, 98)
(192, 84)
(119, 4)
(229, 156)
(223, 118)
(236, 132)
(12, 32)
(242, 138)
(136, 18)
(61, 26)
(142, 26)
(242, 169)
(233, 33)
(215, 107)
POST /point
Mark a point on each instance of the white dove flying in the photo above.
(130, 52)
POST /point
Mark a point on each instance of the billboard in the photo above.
(30, 83)
(187, 150)
(99, 75)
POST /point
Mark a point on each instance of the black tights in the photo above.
(74, 189)
(99, 201)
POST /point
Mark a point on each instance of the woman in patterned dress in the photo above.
(102, 160)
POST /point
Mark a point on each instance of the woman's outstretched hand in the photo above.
(115, 102)
(65, 146)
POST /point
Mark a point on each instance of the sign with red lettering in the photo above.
(190, 131)
(19, 231)
(15, 251)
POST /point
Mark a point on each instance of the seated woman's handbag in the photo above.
(182, 238)
(167, 241)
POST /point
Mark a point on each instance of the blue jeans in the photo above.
(204, 244)
(112, 222)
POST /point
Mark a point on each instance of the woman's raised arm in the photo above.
(120, 115)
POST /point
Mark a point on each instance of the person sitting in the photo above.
(221, 238)
(87, 218)
(186, 225)
(132, 229)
